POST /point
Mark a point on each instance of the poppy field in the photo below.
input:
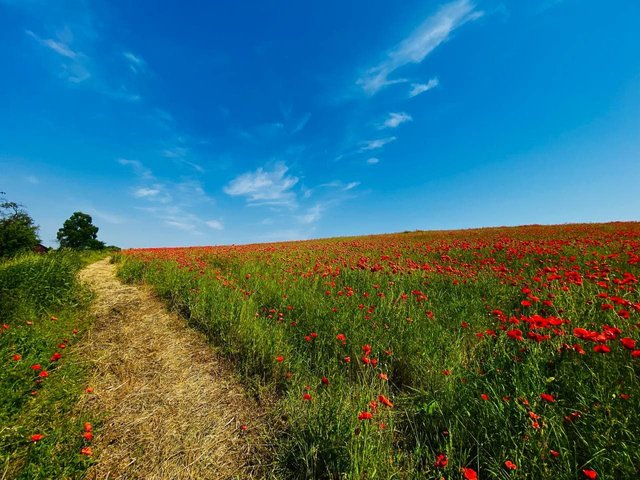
(43, 432)
(498, 353)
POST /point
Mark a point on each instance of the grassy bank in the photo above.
(503, 353)
(44, 313)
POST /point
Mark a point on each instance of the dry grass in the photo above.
(172, 408)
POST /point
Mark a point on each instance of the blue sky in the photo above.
(196, 123)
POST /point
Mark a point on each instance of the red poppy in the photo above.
(600, 348)
(35, 367)
(17, 357)
(441, 461)
(55, 357)
(554, 453)
(325, 380)
(365, 416)
(547, 397)
(87, 427)
(306, 396)
(510, 465)
(88, 436)
(87, 451)
(484, 397)
(385, 401)
(36, 437)
(469, 474)
(635, 354)
(43, 374)
(628, 343)
(590, 474)
(280, 359)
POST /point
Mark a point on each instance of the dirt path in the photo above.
(172, 408)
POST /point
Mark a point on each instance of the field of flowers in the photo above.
(44, 312)
(494, 353)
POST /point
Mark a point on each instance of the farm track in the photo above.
(171, 407)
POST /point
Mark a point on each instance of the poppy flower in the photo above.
(484, 397)
(383, 376)
(88, 436)
(325, 380)
(36, 437)
(469, 474)
(385, 401)
(590, 474)
(43, 374)
(87, 427)
(628, 343)
(547, 397)
(36, 367)
(87, 451)
(600, 348)
(55, 357)
(441, 461)
(365, 416)
(89, 390)
(554, 453)
(17, 357)
(510, 465)
(635, 354)
(279, 359)
(307, 397)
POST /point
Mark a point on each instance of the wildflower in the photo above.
(441, 461)
(628, 343)
(547, 397)
(484, 397)
(243, 427)
(600, 348)
(325, 380)
(510, 465)
(365, 416)
(86, 451)
(36, 367)
(383, 376)
(36, 437)
(88, 436)
(87, 427)
(554, 453)
(89, 390)
(55, 357)
(590, 474)
(347, 359)
(469, 474)
(635, 354)
(385, 401)
(307, 397)
(279, 359)
(17, 357)
(43, 374)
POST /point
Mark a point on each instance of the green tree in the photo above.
(18, 232)
(78, 232)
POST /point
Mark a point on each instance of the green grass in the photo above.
(44, 311)
(260, 302)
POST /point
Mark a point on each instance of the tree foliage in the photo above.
(18, 232)
(79, 232)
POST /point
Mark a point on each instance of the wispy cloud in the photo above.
(136, 63)
(265, 187)
(138, 168)
(434, 31)
(215, 224)
(373, 160)
(74, 65)
(418, 88)
(396, 119)
(181, 155)
(312, 215)
(32, 179)
(375, 144)
(340, 185)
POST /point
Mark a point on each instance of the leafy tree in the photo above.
(18, 232)
(80, 233)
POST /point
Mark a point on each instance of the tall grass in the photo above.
(432, 312)
(44, 311)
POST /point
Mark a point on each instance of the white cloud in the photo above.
(138, 168)
(146, 192)
(263, 187)
(301, 123)
(396, 119)
(373, 160)
(215, 224)
(418, 88)
(340, 186)
(136, 63)
(312, 215)
(434, 31)
(74, 64)
(375, 144)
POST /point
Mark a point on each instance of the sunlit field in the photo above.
(492, 353)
